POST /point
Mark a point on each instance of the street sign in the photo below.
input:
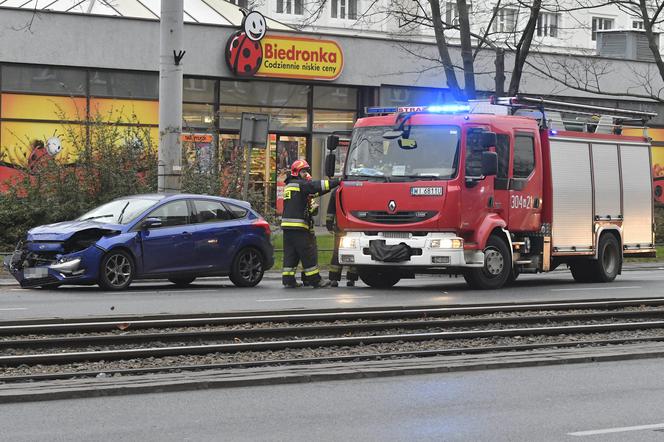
(253, 134)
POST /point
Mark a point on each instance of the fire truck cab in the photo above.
(491, 194)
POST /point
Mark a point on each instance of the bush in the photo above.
(117, 160)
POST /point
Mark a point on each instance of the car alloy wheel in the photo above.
(117, 271)
(247, 268)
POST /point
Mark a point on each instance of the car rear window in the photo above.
(237, 211)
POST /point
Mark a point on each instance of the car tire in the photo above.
(248, 268)
(497, 266)
(117, 270)
(182, 282)
(378, 279)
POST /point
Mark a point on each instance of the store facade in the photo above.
(52, 82)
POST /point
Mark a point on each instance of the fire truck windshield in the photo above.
(435, 156)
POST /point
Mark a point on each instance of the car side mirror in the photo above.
(330, 165)
(149, 223)
(332, 142)
(489, 163)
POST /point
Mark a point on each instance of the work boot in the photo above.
(350, 283)
(320, 284)
(334, 283)
(293, 285)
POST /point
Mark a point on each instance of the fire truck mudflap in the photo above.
(417, 249)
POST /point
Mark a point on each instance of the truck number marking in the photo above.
(521, 202)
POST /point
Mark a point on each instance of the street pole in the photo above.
(170, 96)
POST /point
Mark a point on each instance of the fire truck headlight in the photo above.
(349, 243)
(446, 243)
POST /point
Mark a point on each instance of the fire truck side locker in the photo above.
(600, 185)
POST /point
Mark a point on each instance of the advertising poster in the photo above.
(198, 148)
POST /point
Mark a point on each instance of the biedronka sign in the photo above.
(250, 53)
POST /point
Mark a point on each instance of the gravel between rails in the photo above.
(124, 328)
(326, 352)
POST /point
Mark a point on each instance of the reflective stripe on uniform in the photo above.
(311, 271)
(294, 187)
(300, 225)
(325, 184)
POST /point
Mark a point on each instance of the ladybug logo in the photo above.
(244, 53)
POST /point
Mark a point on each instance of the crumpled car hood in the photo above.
(64, 230)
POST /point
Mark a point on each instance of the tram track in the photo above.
(325, 335)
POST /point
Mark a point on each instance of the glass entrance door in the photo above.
(284, 149)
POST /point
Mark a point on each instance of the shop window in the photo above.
(330, 121)
(524, 156)
(505, 20)
(197, 115)
(600, 24)
(43, 80)
(124, 84)
(294, 7)
(413, 96)
(262, 93)
(331, 97)
(198, 90)
(280, 119)
(344, 9)
(547, 24)
(43, 107)
(124, 111)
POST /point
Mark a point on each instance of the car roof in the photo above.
(177, 196)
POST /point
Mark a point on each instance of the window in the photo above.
(600, 24)
(503, 151)
(43, 80)
(237, 211)
(344, 9)
(637, 24)
(547, 24)
(198, 90)
(124, 84)
(172, 214)
(452, 14)
(505, 20)
(293, 7)
(240, 3)
(211, 211)
(524, 156)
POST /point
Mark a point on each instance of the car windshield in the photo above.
(121, 211)
(426, 152)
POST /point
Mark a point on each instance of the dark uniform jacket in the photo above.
(296, 213)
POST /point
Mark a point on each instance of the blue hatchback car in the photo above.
(175, 237)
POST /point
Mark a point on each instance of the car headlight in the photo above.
(67, 266)
(349, 243)
(446, 243)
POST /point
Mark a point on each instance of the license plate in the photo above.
(426, 191)
(36, 272)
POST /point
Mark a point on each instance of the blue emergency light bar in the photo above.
(436, 109)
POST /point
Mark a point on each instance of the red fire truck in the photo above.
(493, 193)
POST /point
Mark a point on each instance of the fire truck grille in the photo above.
(394, 218)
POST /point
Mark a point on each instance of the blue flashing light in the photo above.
(380, 110)
(449, 108)
(553, 132)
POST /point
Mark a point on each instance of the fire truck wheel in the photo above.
(514, 274)
(581, 271)
(609, 259)
(496, 270)
(378, 279)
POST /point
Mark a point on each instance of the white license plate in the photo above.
(36, 272)
(426, 191)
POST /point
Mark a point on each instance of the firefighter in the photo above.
(336, 269)
(296, 224)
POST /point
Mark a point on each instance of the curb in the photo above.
(188, 381)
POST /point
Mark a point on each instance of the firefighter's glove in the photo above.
(313, 208)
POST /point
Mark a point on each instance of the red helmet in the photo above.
(297, 166)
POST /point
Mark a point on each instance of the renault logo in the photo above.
(392, 206)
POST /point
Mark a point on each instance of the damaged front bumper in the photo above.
(39, 264)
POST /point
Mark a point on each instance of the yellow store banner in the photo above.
(299, 57)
